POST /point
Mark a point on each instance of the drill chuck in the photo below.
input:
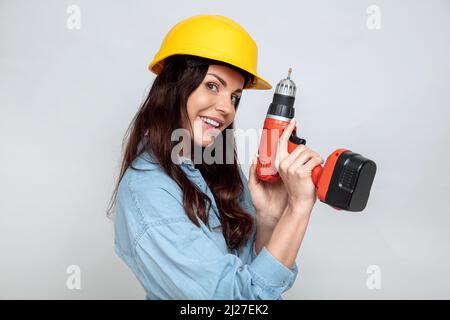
(283, 99)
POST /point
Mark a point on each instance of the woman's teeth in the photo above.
(213, 123)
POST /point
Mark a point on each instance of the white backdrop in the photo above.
(371, 79)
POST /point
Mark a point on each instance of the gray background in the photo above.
(67, 97)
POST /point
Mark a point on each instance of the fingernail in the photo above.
(293, 120)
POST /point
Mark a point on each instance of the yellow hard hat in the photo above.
(213, 37)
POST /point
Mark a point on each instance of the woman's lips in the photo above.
(207, 125)
(209, 128)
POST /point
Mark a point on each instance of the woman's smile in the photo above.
(208, 128)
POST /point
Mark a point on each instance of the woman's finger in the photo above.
(284, 138)
(304, 157)
(290, 159)
(300, 160)
(252, 179)
(282, 146)
(313, 162)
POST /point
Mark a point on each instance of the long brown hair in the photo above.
(161, 113)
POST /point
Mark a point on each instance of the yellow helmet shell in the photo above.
(214, 37)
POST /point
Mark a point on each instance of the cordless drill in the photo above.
(345, 180)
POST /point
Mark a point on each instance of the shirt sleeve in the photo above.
(247, 204)
(175, 259)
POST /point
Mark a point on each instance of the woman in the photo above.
(192, 230)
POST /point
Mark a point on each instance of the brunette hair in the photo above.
(161, 113)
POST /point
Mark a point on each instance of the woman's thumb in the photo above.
(252, 171)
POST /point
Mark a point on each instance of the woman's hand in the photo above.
(295, 170)
(269, 199)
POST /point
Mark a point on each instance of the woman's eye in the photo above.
(236, 100)
(211, 84)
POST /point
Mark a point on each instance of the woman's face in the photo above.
(214, 101)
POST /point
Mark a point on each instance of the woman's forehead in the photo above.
(229, 75)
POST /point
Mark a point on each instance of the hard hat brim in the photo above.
(259, 83)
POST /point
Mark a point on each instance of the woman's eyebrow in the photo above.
(224, 83)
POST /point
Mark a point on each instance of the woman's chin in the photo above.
(205, 142)
(207, 137)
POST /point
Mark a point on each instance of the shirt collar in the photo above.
(187, 163)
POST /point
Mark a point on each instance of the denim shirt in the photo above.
(172, 258)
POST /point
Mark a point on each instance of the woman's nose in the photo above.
(225, 105)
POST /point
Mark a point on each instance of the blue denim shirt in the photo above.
(174, 259)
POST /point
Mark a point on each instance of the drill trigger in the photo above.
(296, 140)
